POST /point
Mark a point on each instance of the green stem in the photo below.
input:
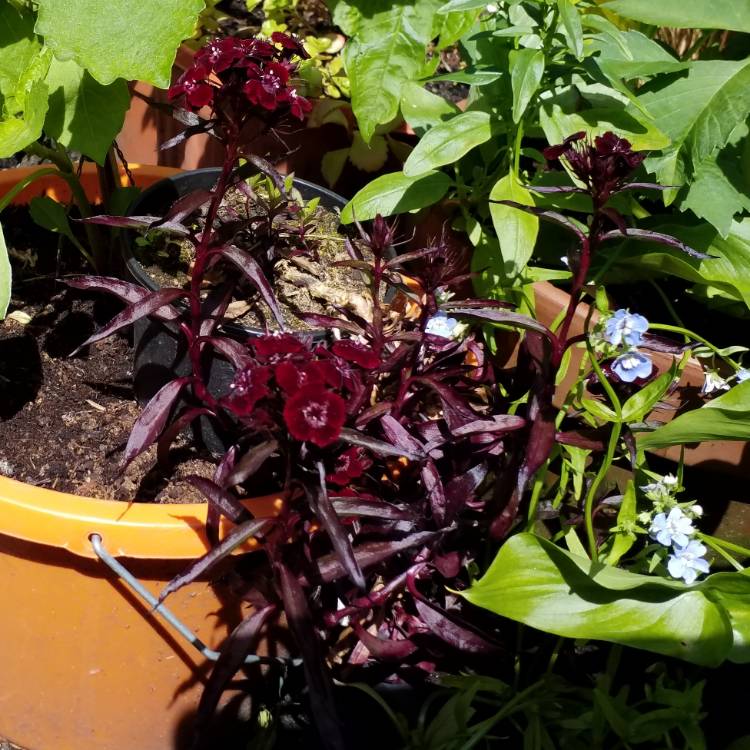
(739, 549)
(667, 303)
(21, 185)
(690, 334)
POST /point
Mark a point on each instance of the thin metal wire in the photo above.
(116, 567)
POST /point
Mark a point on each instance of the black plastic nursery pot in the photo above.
(160, 350)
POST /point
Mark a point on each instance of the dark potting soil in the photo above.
(64, 421)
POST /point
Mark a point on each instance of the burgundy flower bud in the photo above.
(315, 414)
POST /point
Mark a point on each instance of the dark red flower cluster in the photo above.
(603, 166)
(307, 388)
(259, 69)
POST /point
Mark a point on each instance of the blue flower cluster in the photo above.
(624, 329)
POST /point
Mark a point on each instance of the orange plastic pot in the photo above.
(85, 665)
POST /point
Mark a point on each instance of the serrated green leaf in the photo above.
(448, 141)
(83, 115)
(725, 418)
(24, 126)
(526, 71)
(571, 21)
(19, 46)
(423, 109)
(5, 276)
(387, 50)
(698, 112)
(516, 230)
(129, 39)
(694, 14)
(395, 193)
(541, 585)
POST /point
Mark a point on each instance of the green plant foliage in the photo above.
(526, 71)
(386, 51)
(698, 111)
(695, 14)
(541, 585)
(5, 276)
(395, 193)
(630, 54)
(448, 141)
(19, 46)
(23, 117)
(128, 39)
(516, 230)
(83, 114)
(725, 418)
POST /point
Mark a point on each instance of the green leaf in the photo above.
(725, 418)
(19, 46)
(128, 39)
(624, 538)
(387, 50)
(24, 126)
(541, 585)
(395, 193)
(332, 164)
(630, 54)
(698, 112)
(526, 71)
(643, 401)
(693, 14)
(571, 21)
(83, 115)
(599, 410)
(423, 109)
(472, 77)
(516, 230)
(456, 5)
(448, 141)
(626, 121)
(5, 276)
(51, 215)
(453, 26)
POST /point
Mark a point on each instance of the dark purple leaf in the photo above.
(139, 222)
(372, 553)
(322, 507)
(557, 189)
(455, 410)
(645, 186)
(126, 291)
(149, 304)
(200, 567)
(328, 322)
(317, 675)
(480, 304)
(355, 506)
(268, 169)
(174, 429)
(503, 317)
(448, 565)
(459, 635)
(462, 489)
(235, 352)
(373, 412)
(498, 423)
(189, 132)
(552, 216)
(186, 205)
(249, 266)
(385, 650)
(648, 236)
(662, 344)
(402, 258)
(214, 307)
(616, 218)
(379, 447)
(152, 419)
(580, 439)
(406, 444)
(251, 462)
(223, 501)
(242, 641)
(433, 486)
(225, 467)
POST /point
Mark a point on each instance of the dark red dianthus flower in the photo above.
(194, 86)
(351, 464)
(249, 387)
(315, 414)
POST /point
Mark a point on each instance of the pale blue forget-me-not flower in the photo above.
(675, 528)
(626, 327)
(441, 325)
(742, 374)
(631, 366)
(687, 561)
